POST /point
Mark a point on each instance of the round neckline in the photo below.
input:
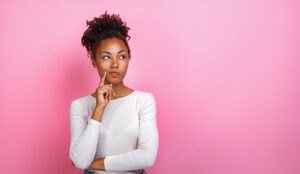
(118, 99)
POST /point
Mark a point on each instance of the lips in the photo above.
(114, 73)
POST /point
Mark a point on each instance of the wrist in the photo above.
(97, 115)
(99, 107)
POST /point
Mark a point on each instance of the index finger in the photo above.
(102, 79)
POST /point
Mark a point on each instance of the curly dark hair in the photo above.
(104, 27)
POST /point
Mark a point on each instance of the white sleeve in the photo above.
(84, 136)
(145, 155)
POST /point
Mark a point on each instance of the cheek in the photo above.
(103, 66)
(123, 66)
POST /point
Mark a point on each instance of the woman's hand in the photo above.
(97, 164)
(91, 167)
(104, 93)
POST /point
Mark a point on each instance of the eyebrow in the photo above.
(110, 53)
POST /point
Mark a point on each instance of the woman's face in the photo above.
(112, 56)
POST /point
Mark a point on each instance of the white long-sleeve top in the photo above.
(127, 136)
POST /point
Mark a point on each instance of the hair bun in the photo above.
(108, 23)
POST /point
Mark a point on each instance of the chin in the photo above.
(114, 81)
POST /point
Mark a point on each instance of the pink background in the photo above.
(224, 75)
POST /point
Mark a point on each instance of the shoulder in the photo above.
(145, 96)
(147, 106)
(146, 100)
(80, 103)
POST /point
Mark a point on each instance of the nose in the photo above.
(114, 63)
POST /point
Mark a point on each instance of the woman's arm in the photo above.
(145, 155)
(84, 136)
(97, 164)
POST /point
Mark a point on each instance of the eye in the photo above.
(123, 56)
(105, 56)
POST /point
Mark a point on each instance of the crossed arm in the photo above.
(142, 157)
(97, 164)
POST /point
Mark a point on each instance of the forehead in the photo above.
(112, 44)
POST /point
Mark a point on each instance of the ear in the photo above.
(93, 62)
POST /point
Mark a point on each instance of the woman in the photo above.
(114, 129)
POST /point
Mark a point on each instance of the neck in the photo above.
(119, 88)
